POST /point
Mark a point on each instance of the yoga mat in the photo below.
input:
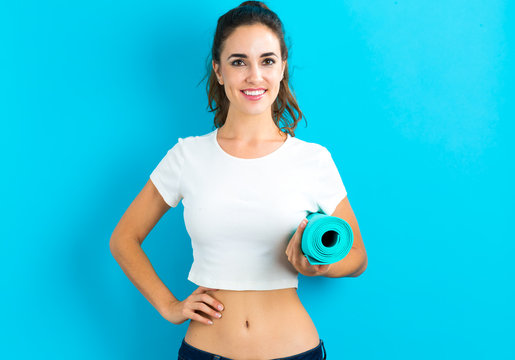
(326, 239)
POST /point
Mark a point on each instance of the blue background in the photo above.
(413, 99)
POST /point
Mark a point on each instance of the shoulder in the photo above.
(309, 147)
(193, 142)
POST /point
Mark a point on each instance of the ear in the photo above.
(216, 69)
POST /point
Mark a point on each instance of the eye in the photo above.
(235, 61)
(268, 61)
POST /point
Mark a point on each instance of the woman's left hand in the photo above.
(298, 259)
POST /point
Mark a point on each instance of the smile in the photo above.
(254, 94)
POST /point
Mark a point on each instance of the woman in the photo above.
(244, 186)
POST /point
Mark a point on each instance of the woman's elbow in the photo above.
(363, 266)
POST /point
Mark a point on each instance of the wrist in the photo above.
(164, 307)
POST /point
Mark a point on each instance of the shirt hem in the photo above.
(243, 285)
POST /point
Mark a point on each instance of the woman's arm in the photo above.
(356, 261)
(125, 244)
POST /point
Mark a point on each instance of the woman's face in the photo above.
(251, 60)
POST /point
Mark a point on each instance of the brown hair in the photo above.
(249, 13)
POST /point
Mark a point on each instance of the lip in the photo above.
(256, 97)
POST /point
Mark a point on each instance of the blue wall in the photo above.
(412, 99)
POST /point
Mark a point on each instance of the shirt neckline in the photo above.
(267, 156)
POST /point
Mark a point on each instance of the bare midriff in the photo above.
(255, 325)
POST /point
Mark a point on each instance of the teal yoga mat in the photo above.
(326, 239)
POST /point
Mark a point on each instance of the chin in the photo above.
(256, 111)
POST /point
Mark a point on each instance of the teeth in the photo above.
(254, 93)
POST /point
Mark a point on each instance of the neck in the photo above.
(248, 127)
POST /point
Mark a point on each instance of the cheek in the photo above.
(277, 79)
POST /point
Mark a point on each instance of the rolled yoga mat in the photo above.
(326, 239)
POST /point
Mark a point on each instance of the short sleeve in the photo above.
(166, 177)
(329, 188)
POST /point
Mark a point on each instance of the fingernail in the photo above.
(210, 322)
(220, 307)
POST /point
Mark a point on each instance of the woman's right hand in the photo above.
(180, 311)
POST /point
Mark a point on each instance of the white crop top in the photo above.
(241, 213)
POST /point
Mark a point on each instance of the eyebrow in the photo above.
(245, 56)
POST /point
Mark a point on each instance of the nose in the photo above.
(254, 74)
